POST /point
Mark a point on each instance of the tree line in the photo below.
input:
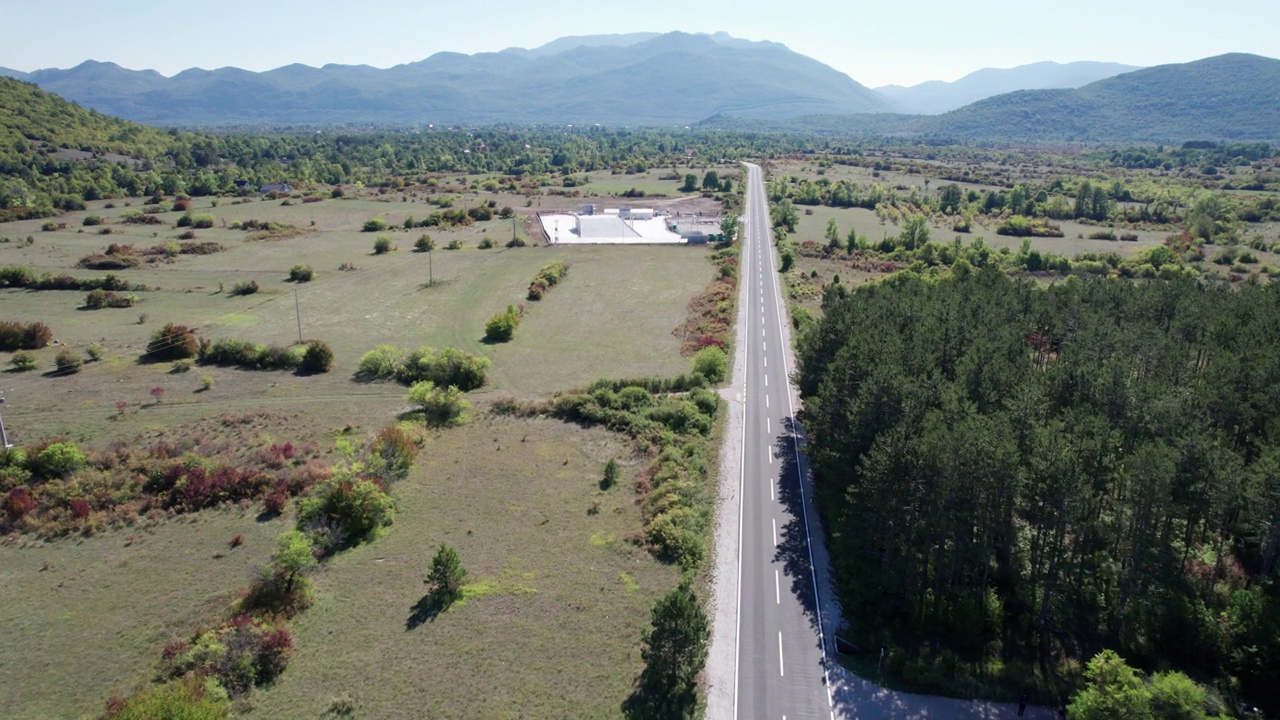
(1030, 475)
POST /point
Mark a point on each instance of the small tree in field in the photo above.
(382, 245)
(446, 575)
(424, 243)
(610, 474)
(292, 557)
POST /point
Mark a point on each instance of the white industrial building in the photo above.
(621, 226)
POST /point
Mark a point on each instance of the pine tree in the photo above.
(447, 575)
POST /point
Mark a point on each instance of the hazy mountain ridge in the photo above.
(672, 78)
(936, 96)
(1228, 97)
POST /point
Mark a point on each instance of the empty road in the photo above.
(779, 670)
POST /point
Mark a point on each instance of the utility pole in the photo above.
(4, 438)
(431, 270)
(297, 308)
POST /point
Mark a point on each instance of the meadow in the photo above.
(558, 594)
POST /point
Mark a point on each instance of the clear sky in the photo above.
(874, 42)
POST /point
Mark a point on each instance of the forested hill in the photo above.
(1228, 97)
(675, 78)
(1017, 477)
(31, 118)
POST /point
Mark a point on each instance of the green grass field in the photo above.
(552, 627)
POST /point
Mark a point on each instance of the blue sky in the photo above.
(876, 43)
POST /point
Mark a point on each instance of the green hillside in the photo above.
(27, 113)
(1228, 97)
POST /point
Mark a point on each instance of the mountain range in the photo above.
(936, 96)
(678, 78)
(638, 79)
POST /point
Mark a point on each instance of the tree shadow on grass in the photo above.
(425, 611)
(651, 701)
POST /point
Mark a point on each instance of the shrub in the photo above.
(60, 459)
(454, 244)
(301, 273)
(357, 507)
(202, 220)
(712, 363)
(318, 358)
(16, 336)
(239, 654)
(23, 361)
(189, 698)
(91, 220)
(247, 287)
(187, 235)
(48, 226)
(502, 326)
(374, 225)
(547, 278)
(440, 406)
(424, 244)
(448, 367)
(487, 244)
(180, 367)
(393, 453)
(380, 363)
(516, 242)
(98, 299)
(68, 361)
(173, 342)
(382, 245)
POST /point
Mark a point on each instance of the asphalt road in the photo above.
(780, 671)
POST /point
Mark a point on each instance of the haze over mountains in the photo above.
(634, 79)
(936, 96)
(677, 79)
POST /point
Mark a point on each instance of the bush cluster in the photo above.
(240, 654)
(173, 342)
(245, 287)
(17, 336)
(449, 366)
(316, 359)
(547, 278)
(19, 277)
(97, 299)
(301, 273)
(249, 355)
(200, 220)
(502, 326)
(440, 405)
(54, 488)
(346, 510)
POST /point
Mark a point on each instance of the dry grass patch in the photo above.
(86, 619)
(552, 613)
